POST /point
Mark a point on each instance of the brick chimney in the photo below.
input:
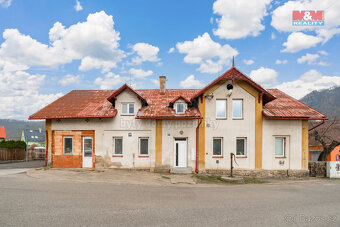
(162, 81)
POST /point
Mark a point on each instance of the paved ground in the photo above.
(19, 167)
(28, 201)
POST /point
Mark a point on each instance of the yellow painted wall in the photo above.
(258, 123)
(304, 164)
(158, 142)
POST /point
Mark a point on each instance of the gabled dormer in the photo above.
(180, 104)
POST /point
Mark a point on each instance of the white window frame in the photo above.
(225, 112)
(128, 108)
(139, 146)
(181, 103)
(114, 146)
(245, 146)
(217, 138)
(241, 109)
(67, 137)
(284, 147)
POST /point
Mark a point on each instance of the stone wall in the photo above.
(317, 169)
(260, 173)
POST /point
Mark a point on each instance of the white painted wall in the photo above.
(292, 130)
(230, 129)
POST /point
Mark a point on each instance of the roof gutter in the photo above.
(323, 122)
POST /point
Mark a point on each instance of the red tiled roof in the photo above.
(181, 97)
(79, 104)
(120, 90)
(2, 132)
(234, 74)
(158, 104)
(285, 106)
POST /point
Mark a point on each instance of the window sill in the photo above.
(221, 118)
(127, 115)
(241, 156)
(217, 156)
(280, 157)
(238, 118)
(143, 156)
(117, 156)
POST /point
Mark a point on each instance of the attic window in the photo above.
(180, 108)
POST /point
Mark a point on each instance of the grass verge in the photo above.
(219, 179)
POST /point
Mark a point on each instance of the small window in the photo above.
(128, 108)
(143, 146)
(241, 147)
(118, 146)
(36, 137)
(217, 147)
(180, 108)
(32, 137)
(238, 109)
(68, 145)
(221, 108)
(280, 146)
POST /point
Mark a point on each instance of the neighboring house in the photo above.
(181, 129)
(329, 132)
(33, 136)
(2, 133)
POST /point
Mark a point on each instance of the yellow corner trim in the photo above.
(159, 142)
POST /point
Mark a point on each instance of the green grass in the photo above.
(253, 181)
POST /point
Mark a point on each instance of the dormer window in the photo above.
(128, 108)
(180, 108)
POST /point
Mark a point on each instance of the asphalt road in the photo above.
(26, 201)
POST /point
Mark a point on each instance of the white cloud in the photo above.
(19, 88)
(210, 55)
(240, 19)
(78, 7)
(248, 62)
(145, 52)
(110, 81)
(298, 41)
(171, 50)
(5, 3)
(69, 79)
(281, 62)
(155, 82)
(309, 81)
(323, 52)
(190, 82)
(266, 77)
(139, 73)
(273, 36)
(282, 18)
(308, 58)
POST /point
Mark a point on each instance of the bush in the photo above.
(12, 144)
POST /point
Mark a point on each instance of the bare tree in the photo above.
(327, 137)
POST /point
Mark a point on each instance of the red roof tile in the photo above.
(285, 106)
(79, 104)
(2, 132)
(158, 104)
(114, 95)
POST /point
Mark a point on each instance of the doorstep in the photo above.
(181, 170)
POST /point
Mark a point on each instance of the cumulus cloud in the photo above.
(266, 77)
(282, 20)
(210, 55)
(307, 82)
(5, 3)
(19, 88)
(69, 79)
(145, 52)
(139, 73)
(308, 58)
(171, 50)
(78, 7)
(110, 81)
(248, 62)
(191, 82)
(240, 19)
(281, 62)
(298, 41)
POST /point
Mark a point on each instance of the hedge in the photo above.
(12, 144)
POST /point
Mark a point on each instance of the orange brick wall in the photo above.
(59, 160)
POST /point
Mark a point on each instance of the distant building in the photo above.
(33, 136)
(2, 133)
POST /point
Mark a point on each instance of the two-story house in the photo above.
(181, 129)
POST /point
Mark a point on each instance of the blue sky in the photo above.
(49, 48)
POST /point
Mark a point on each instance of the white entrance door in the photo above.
(180, 153)
(87, 151)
